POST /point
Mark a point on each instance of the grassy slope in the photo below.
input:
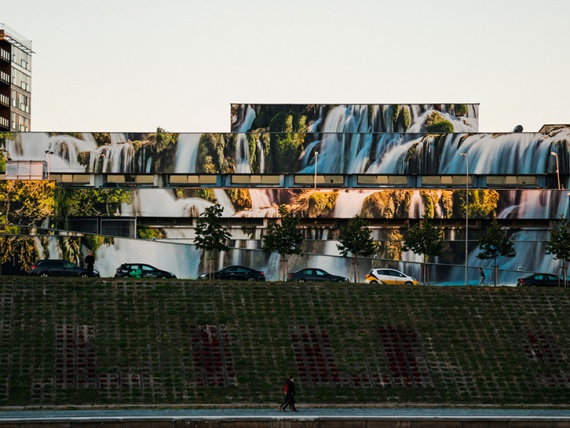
(473, 345)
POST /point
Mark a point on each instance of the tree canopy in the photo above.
(356, 239)
(284, 238)
(559, 243)
(494, 244)
(210, 234)
(424, 239)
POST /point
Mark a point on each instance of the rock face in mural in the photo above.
(387, 163)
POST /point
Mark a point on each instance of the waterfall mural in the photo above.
(294, 153)
(361, 118)
(514, 178)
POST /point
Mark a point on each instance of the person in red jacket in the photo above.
(289, 390)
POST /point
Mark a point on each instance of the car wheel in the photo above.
(374, 282)
(301, 280)
(44, 274)
(408, 283)
(251, 278)
(84, 275)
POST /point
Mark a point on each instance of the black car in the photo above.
(313, 274)
(541, 280)
(238, 273)
(141, 270)
(59, 268)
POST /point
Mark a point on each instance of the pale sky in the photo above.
(134, 65)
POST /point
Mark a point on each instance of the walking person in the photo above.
(90, 261)
(482, 273)
(289, 390)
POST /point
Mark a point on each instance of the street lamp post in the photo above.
(316, 161)
(557, 170)
(48, 153)
(466, 216)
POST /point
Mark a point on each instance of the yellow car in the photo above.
(389, 277)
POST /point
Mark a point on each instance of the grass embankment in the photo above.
(103, 342)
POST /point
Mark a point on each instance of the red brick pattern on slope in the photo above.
(213, 361)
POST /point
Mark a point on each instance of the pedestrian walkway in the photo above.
(322, 414)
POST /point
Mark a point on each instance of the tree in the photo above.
(559, 244)
(355, 239)
(210, 234)
(424, 239)
(284, 239)
(494, 244)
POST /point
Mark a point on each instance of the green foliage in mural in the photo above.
(102, 138)
(434, 199)
(3, 155)
(202, 193)
(288, 140)
(386, 204)
(460, 110)
(95, 202)
(161, 146)
(211, 158)
(150, 233)
(314, 203)
(482, 203)
(391, 248)
(93, 242)
(437, 123)
(26, 202)
(17, 247)
(241, 199)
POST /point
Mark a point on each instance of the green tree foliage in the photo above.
(356, 239)
(559, 244)
(211, 236)
(424, 239)
(283, 238)
(494, 244)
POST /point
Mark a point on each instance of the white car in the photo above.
(389, 277)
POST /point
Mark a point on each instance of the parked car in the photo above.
(238, 273)
(314, 274)
(541, 280)
(141, 270)
(390, 277)
(54, 267)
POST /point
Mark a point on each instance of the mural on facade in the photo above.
(32, 209)
(351, 118)
(283, 153)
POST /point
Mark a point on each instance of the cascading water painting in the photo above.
(416, 142)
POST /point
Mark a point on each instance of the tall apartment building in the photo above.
(15, 80)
